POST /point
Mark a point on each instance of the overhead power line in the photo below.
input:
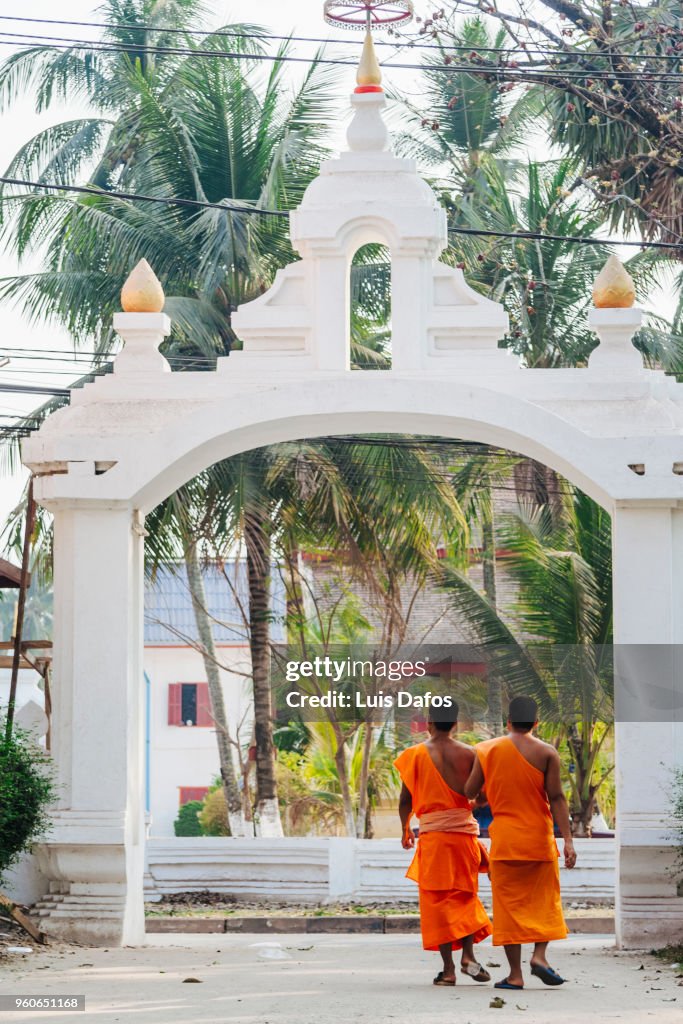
(87, 359)
(259, 211)
(514, 69)
(338, 41)
(32, 389)
(168, 201)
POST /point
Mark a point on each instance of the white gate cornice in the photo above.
(141, 446)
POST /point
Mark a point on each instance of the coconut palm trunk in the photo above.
(258, 547)
(344, 785)
(362, 818)
(494, 689)
(231, 790)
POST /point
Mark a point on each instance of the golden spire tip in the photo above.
(369, 74)
(142, 292)
(614, 287)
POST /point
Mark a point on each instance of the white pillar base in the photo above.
(650, 910)
(648, 600)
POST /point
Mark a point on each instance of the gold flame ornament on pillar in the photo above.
(369, 74)
(614, 287)
(142, 292)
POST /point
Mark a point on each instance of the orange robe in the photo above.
(446, 865)
(525, 875)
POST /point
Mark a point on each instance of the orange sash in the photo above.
(455, 819)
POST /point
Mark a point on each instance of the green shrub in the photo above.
(26, 791)
(187, 822)
(677, 821)
(213, 816)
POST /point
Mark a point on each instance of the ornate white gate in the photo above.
(130, 439)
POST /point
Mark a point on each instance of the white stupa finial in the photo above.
(367, 132)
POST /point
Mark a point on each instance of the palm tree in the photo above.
(474, 483)
(465, 122)
(609, 101)
(371, 308)
(170, 125)
(382, 506)
(558, 648)
(544, 284)
(469, 136)
(174, 538)
(368, 778)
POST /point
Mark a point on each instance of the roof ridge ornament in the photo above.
(359, 14)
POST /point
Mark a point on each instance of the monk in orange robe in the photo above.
(449, 855)
(521, 775)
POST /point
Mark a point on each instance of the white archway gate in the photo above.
(130, 439)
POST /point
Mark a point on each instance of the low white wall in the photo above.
(310, 870)
(25, 883)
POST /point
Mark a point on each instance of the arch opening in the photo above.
(370, 307)
(449, 455)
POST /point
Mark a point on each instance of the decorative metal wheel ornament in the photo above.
(368, 14)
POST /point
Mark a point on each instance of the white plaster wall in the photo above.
(314, 869)
(27, 689)
(182, 755)
(25, 883)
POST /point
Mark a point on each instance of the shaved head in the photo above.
(523, 713)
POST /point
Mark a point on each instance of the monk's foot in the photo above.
(512, 983)
(475, 971)
(543, 970)
(445, 978)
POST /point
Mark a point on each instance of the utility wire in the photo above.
(266, 36)
(515, 70)
(259, 211)
(192, 203)
(37, 355)
(32, 389)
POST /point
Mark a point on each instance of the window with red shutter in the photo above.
(175, 703)
(188, 793)
(204, 715)
(189, 704)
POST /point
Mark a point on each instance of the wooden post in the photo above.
(21, 919)
(48, 705)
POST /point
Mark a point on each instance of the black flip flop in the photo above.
(547, 975)
(439, 980)
(508, 986)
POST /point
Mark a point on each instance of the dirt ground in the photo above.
(213, 904)
(328, 978)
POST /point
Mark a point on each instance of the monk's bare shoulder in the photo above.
(548, 749)
(464, 751)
